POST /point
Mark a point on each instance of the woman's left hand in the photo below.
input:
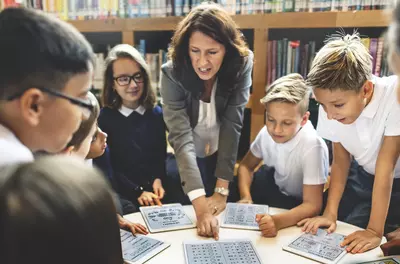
(158, 188)
(216, 203)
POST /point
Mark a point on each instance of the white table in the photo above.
(269, 249)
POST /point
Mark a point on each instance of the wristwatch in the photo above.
(221, 190)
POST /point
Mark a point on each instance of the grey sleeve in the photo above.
(232, 122)
(180, 132)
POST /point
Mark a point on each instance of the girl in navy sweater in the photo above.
(135, 127)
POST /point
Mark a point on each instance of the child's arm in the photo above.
(245, 174)
(311, 206)
(362, 241)
(339, 173)
(129, 226)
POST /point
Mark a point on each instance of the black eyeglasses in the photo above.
(85, 104)
(126, 79)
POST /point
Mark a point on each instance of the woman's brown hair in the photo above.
(212, 20)
(110, 97)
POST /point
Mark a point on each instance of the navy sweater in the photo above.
(138, 149)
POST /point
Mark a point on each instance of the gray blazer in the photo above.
(180, 100)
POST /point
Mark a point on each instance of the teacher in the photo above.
(205, 87)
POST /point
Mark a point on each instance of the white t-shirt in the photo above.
(363, 138)
(303, 160)
(11, 149)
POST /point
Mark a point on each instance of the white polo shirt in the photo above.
(363, 138)
(11, 149)
(303, 160)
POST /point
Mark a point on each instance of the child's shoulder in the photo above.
(310, 137)
(107, 111)
(389, 84)
(157, 110)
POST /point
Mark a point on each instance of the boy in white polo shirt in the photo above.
(46, 69)
(298, 157)
(360, 115)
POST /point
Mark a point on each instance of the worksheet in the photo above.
(139, 248)
(242, 216)
(220, 252)
(384, 260)
(322, 247)
(166, 218)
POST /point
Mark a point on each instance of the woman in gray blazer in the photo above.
(205, 87)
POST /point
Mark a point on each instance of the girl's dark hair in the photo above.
(110, 97)
(213, 21)
(57, 210)
(86, 125)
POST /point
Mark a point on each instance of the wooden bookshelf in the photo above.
(371, 18)
(260, 23)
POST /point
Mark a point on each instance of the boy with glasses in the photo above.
(43, 88)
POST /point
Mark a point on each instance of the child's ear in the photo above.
(31, 105)
(305, 118)
(368, 89)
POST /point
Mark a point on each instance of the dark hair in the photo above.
(37, 50)
(213, 21)
(86, 125)
(57, 210)
(110, 97)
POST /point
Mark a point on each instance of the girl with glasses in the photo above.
(135, 128)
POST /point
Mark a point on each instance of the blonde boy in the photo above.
(360, 115)
(290, 145)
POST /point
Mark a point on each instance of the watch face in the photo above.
(222, 191)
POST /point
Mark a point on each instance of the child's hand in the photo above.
(149, 198)
(134, 228)
(267, 225)
(393, 235)
(158, 188)
(361, 241)
(311, 225)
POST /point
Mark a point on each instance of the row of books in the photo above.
(103, 9)
(293, 56)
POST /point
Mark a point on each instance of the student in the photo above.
(205, 87)
(57, 210)
(359, 113)
(90, 140)
(392, 247)
(80, 143)
(135, 127)
(299, 157)
(43, 87)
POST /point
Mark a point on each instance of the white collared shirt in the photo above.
(303, 160)
(206, 132)
(127, 111)
(11, 149)
(363, 138)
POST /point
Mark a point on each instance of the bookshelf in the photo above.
(262, 26)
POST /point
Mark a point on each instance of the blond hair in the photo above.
(342, 63)
(290, 89)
